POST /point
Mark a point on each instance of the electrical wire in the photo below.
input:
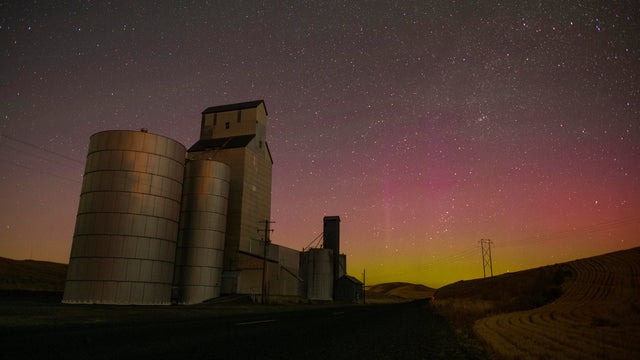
(41, 171)
(41, 148)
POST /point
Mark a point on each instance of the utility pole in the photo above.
(267, 230)
(364, 286)
(485, 245)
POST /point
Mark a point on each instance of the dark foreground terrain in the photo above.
(40, 329)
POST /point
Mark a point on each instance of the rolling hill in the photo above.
(32, 275)
(397, 292)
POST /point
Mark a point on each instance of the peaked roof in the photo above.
(238, 106)
(351, 279)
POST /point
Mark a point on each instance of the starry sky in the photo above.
(425, 125)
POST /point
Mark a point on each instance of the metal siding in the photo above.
(317, 270)
(285, 281)
(198, 271)
(124, 223)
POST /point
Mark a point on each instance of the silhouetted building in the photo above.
(331, 240)
(348, 289)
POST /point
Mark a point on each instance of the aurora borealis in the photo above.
(425, 126)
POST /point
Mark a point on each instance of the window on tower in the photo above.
(226, 125)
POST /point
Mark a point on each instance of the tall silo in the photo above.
(331, 240)
(124, 242)
(203, 219)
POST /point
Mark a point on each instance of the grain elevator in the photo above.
(160, 224)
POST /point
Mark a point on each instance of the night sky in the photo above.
(424, 125)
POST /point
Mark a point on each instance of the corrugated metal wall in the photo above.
(124, 242)
(316, 266)
(199, 257)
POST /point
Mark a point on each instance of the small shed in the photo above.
(348, 289)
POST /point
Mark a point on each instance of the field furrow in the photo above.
(598, 315)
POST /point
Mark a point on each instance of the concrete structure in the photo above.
(201, 239)
(124, 241)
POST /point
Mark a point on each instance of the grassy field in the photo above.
(587, 308)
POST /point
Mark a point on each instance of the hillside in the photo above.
(31, 275)
(588, 308)
(515, 291)
(397, 292)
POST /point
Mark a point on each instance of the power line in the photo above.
(64, 163)
(42, 149)
(41, 171)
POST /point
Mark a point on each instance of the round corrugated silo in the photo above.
(203, 219)
(126, 230)
(317, 271)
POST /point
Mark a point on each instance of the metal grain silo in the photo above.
(124, 242)
(203, 219)
(316, 266)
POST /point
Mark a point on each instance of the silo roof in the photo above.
(238, 106)
(222, 143)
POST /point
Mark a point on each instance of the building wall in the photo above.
(283, 268)
(256, 199)
(287, 280)
(249, 275)
(233, 123)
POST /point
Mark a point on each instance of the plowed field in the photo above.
(597, 316)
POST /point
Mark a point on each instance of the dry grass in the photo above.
(464, 302)
(462, 312)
